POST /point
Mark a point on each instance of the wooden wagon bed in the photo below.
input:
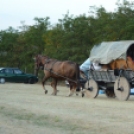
(110, 76)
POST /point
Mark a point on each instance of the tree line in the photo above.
(71, 38)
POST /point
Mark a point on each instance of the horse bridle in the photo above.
(37, 64)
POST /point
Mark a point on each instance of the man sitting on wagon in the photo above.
(84, 68)
(87, 65)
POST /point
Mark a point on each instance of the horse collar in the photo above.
(47, 61)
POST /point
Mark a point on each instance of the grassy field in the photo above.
(25, 109)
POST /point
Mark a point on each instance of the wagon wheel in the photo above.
(110, 92)
(122, 88)
(91, 87)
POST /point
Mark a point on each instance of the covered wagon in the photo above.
(118, 82)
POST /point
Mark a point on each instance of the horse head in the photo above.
(40, 61)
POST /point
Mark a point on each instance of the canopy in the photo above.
(106, 52)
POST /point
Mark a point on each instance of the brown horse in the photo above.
(116, 64)
(120, 64)
(58, 70)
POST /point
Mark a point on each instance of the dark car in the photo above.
(16, 75)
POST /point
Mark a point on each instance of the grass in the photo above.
(53, 122)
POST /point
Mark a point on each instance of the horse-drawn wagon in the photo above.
(117, 82)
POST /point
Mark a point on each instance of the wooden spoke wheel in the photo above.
(92, 89)
(122, 88)
(110, 92)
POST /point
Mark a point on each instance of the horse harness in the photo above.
(51, 70)
(48, 61)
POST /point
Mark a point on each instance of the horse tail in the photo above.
(77, 73)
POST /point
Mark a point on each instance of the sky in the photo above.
(13, 12)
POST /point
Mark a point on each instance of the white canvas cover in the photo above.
(106, 52)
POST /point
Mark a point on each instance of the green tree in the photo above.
(8, 41)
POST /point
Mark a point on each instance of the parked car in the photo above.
(16, 75)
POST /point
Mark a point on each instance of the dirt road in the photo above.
(25, 109)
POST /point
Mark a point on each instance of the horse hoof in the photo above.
(53, 94)
(46, 91)
(69, 95)
(77, 94)
(83, 95)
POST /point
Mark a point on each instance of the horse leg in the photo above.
(72, 89)
(78, 89)
(83, 92)
(43, 84)
(54, 86)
